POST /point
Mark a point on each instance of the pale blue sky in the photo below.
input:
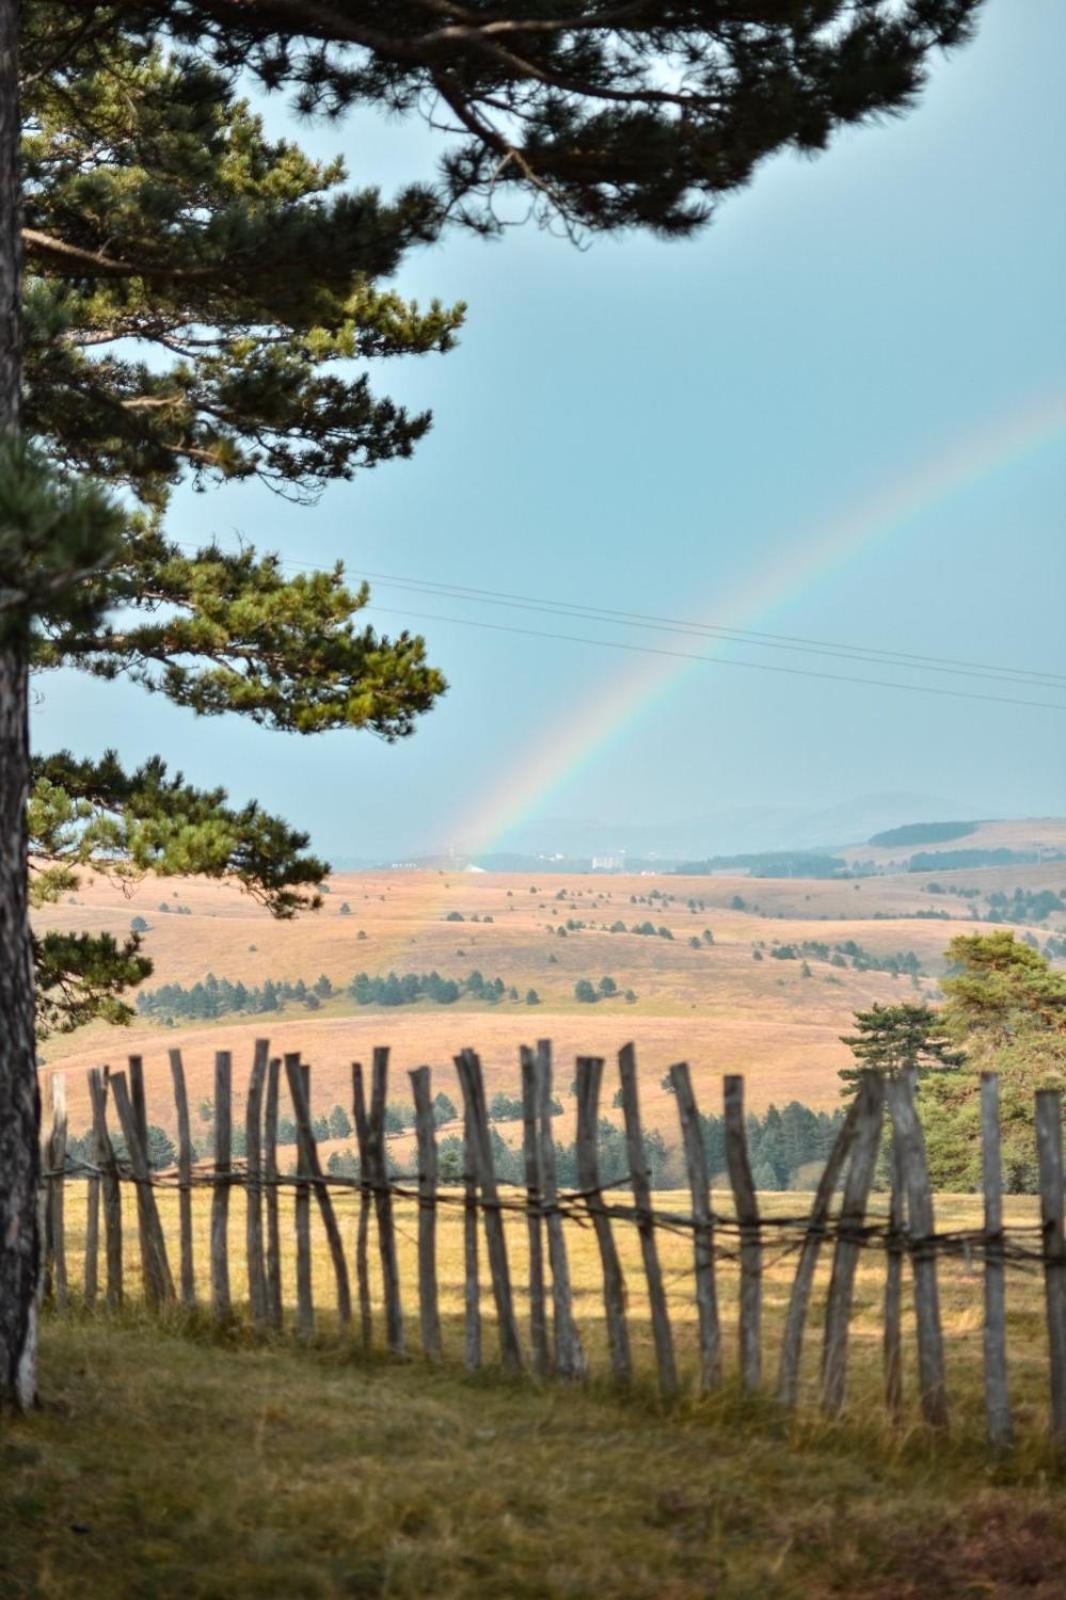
(642, 425)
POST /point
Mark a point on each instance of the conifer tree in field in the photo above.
(897, 1039)
(193, 298)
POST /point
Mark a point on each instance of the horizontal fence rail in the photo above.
(840, 1230)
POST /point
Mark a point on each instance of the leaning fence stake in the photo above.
(736, 1154)
(91, 1284)
(158, 1284)
(892, 1341)
(703, 1229)
(907, 1130)
(589, 1079)
(641, 1185)
(390, 1271)
(471, 1284)
(538, 1316)
(299, 1088)
(871, 1096)
(799, 1299)
(104, 1155)
(220, 1296)
(997, 1394)
(469, 1068)
(181, 1102)
(362, 1237)
(270, 1179)
(253, 1193)
(1049, 1156)
(57, 1157)
(297, 1073)
(429, 1313)
(569, 1353)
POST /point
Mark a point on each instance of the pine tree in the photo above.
(157, 220)
(898, 1039)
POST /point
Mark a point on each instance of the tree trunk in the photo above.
(19, 1100)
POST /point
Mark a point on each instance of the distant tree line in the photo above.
(924, 833)
(770, 864)
(839, 955)
(218, 997)
(949, 860)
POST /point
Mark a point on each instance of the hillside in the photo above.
(723, 1006)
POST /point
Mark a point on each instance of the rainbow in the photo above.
(568, 748)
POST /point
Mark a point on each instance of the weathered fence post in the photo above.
(736, 1155)
(390, 1272)
(799, 1299)
(468, 1066)
(362, 1237)
(428, 1308)
(1053, 1232)
(299, 1089)
(138, 1099)
(270, 1179)
(57, 1160)
(253, 1193)
(104, 1155)
(871, 1096)
(181, 1102)
(892, 1338)
(645, 1219)
(907, 1130)
(158, 1284)
(471, 1283)
(997, 1393)
(703, 1228)
(220, 1296)
(569, 1354)
(589, 1079)
(296, 1072)
(91, 1277)
(140, 1119)
(538, 1315)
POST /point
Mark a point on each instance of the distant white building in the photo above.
(608, 863)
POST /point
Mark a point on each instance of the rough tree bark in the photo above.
(19, 1100)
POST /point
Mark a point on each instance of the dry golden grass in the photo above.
(716, 1007)
(960, 1287)
(174, 1458)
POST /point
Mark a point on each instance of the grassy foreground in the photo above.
(173, 1461)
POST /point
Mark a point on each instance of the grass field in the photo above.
(166, 1466)
(960, 1286)
(176, 1458)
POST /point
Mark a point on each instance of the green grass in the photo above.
(177, 1461)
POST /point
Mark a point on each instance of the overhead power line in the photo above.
(717, 661)
(1020, 677)
(777, 641)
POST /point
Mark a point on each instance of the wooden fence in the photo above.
(839, 1220)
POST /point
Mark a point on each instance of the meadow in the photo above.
(312, 1467)
(179, 1457)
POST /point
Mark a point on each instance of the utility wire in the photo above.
(1021, 677)
(713, 630)
(717, 661)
